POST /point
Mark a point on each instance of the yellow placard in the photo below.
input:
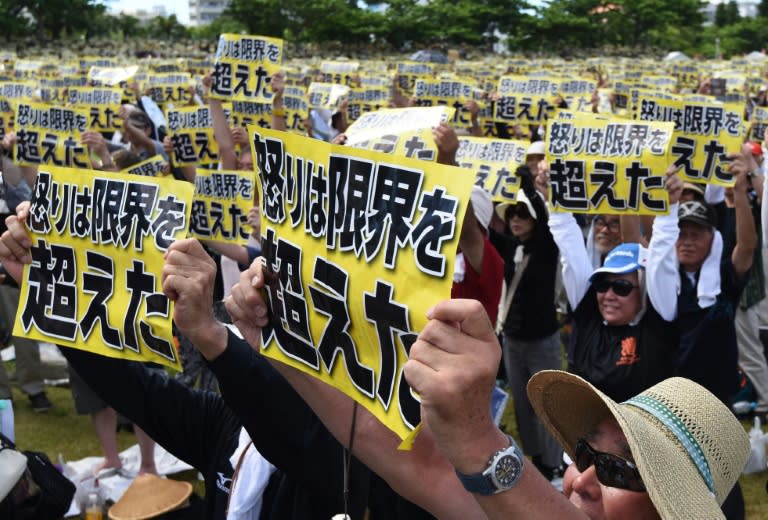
(759, 124)
(447, 92)
(243, 66)
(366, 99)
(602, 164)
(221, 205)
(494, 162)
(191, 133)
(152, 167)
(27, 69)
(97, 255)
(53, 90)
(395, 121)
(414, 144)
(326, 96)
(11, 92)
(111, 76)
(364, 245)
(172, 87)
(705, 133)
(50, 135)
(409, 71)
(245, 113)
(86, 62)
(340, 72)
(102, 103)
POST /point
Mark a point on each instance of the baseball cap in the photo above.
(697, 213)
(623, 259)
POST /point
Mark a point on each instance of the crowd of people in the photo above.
(653, 319)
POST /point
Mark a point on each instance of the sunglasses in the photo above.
(519, 211)
(611, 470)
(620, 287)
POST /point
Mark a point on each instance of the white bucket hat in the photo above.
(688, 446)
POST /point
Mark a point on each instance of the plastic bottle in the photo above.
(94, 509)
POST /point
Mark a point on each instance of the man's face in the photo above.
(615, 309)
(607, 233)
(245, 162)
(601, 502)
(693, 245)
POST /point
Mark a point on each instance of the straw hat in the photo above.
(150, 496)
(688, 446)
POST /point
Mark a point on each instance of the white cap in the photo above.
(536, 148)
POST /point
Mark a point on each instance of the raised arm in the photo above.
(663, 280)
(453, 367)
(746, 234)
(221, 130)
(569, 239)
(422, 475)
(277, 84)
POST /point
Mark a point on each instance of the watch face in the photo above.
(506, 471)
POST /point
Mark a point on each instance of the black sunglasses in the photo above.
(611, 470)
(518, 210)
(620, 287)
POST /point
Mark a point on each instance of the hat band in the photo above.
(678, 429)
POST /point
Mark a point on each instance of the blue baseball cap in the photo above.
(623, 259)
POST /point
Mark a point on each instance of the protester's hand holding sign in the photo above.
(15, 242)
(246, 304)
(188, 279)
(455, 352)
(447, 143)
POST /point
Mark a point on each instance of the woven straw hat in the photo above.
(688, 446)
(150, 496)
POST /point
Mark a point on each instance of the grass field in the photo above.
(62, 431)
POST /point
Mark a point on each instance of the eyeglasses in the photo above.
(620, 287)
(611, 470)
(613, 225)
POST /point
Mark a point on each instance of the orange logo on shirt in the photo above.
(628, 352)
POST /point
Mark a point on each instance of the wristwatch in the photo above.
(503, 472)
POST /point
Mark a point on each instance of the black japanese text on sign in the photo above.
(705, 133)
(604, 165)
(364, 244)
(97, 254)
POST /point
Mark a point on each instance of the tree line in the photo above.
(564, 27)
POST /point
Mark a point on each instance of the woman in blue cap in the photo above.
(623, 344)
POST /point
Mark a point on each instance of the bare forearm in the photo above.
(223, 135)
(746, 234)
(236, 252)
(422, 475)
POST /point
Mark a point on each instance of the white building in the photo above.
(203, 12)
(145, 15)
(747, 9)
